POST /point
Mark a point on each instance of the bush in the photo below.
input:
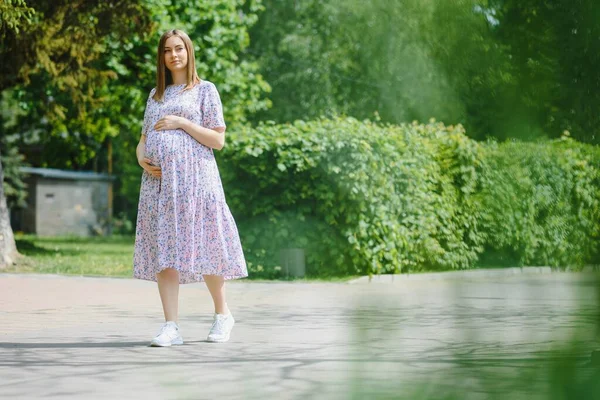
(363, 197)
(542, 202)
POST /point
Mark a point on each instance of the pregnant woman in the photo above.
(185, 232)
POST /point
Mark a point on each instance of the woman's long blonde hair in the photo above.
(163, 75)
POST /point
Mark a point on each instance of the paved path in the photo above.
(86, 338)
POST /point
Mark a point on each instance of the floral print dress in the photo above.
(183, 220)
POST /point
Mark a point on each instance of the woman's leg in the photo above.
(168, 287)
(216, 287)
(223, 320)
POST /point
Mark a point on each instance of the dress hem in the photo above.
(188, 278)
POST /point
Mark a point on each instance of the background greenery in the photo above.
(364, 197)
(510, 178)
(502, 68)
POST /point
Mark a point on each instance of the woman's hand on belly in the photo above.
(170, 122)
(153, 170)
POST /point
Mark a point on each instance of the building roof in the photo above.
(65, 174)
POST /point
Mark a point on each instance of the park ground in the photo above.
(517, 337)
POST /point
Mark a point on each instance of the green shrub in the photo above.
(542, 202)
(358, 196)
(362, 197)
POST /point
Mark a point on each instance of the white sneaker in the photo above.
(168, 335)
(221, 328)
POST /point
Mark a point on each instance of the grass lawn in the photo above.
(94, 256)
(104, 256)
(109, 256)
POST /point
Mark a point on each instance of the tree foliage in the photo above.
(555, 51)
(502, 68)
(88, 67)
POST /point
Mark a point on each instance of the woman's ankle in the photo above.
(224, 310)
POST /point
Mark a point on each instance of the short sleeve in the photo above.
(147, 114)
(212, 109)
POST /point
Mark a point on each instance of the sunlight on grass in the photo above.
(104, 256)
(101, 256)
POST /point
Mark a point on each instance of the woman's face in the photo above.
(176, 57)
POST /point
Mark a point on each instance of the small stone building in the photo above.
(65, 203)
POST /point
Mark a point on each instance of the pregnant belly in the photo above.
(161, 146)
(168, 146)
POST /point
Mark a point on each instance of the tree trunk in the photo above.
(8, 248)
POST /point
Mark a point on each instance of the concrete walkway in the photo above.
(86, 338)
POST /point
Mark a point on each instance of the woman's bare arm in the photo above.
(213, 138)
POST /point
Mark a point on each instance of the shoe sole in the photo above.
(226, 339)
(174, 343)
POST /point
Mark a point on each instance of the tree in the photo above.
(76, 126)
(555, 47)
(8, 248)
(305, 57)
(61, 40)
(503, 68)
(403, 60)
(13, 14)
(60, 125)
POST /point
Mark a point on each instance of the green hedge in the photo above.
(363, 197)
(542, 203)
